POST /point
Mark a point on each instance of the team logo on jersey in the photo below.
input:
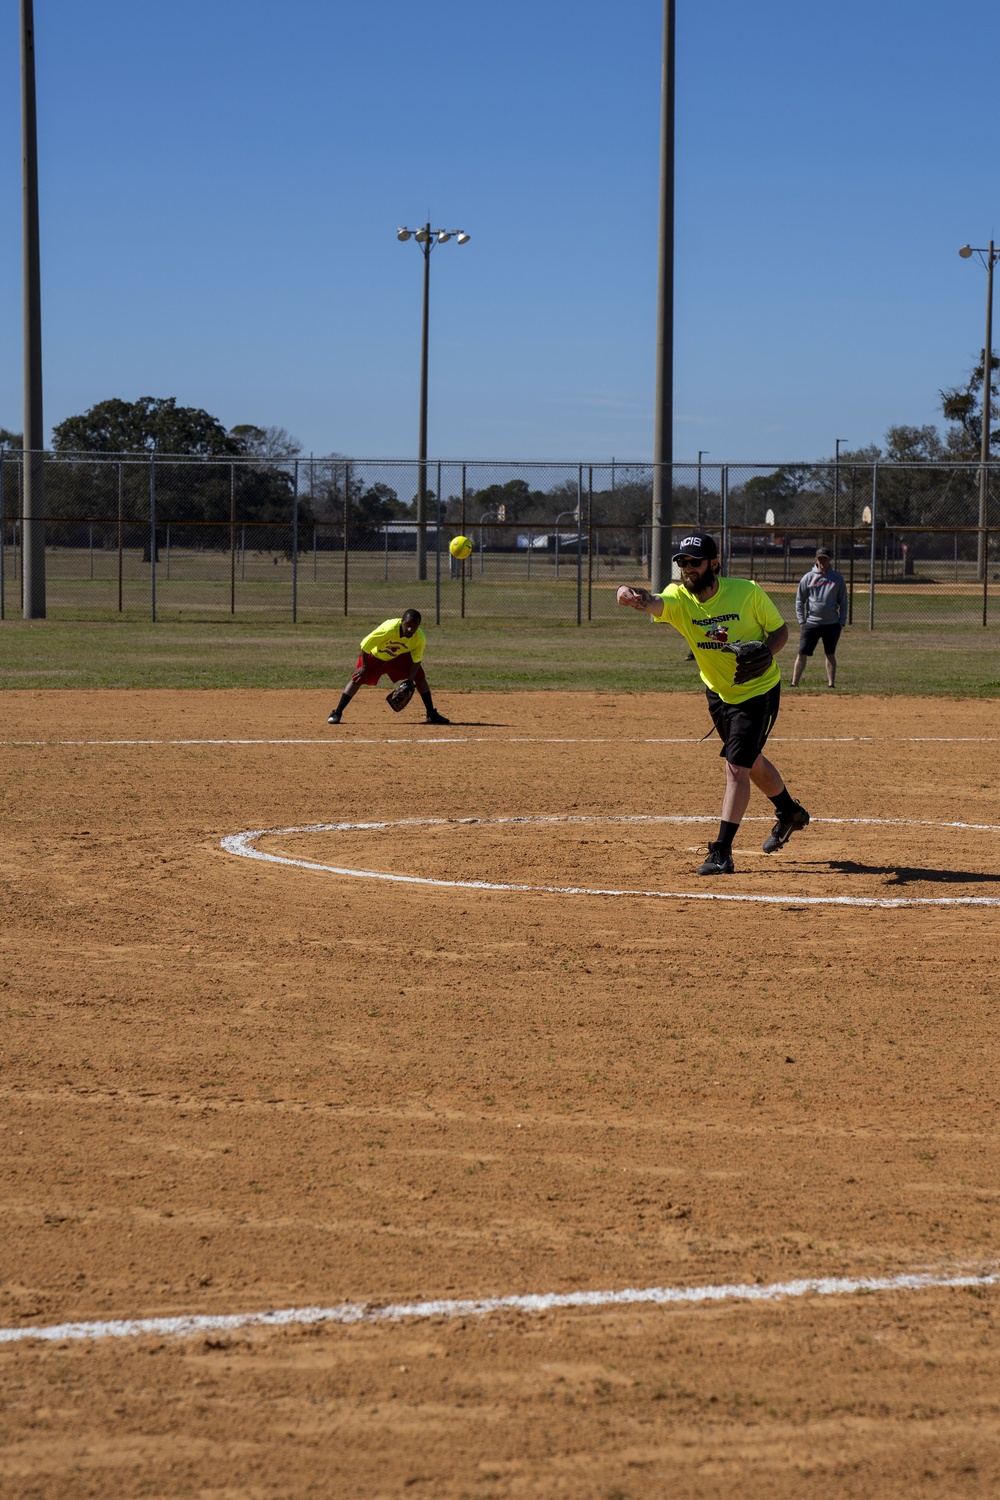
(716, 632)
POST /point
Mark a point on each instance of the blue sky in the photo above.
(222, 181)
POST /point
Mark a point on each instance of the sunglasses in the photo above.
(689, 562)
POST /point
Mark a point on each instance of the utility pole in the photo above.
(663, 432)
(989, 258)
(32, 487)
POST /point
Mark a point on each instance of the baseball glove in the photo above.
(752, 660)
(400, 696)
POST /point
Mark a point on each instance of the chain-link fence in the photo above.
(304, 539)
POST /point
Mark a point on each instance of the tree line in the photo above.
(258, 485)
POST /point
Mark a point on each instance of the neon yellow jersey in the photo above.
(385, 642)
(738, 611)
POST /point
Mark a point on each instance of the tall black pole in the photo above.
(984, 450)
(663, 435)
(422, 446)
(33, 503)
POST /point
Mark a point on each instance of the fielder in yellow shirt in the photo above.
(714, 614)
(395, 650)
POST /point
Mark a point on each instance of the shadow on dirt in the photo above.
(905, 874)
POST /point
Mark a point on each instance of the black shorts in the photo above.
(828, 634)
(744, 727)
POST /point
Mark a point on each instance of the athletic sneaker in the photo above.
(435, 718)
(719, 861)
(786, 825)
(334, 717)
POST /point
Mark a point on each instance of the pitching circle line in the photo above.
(243, 844)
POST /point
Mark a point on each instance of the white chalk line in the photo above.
(347, 1313)
(485, 739)
(243, 844)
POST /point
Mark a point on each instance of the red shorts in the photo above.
(372, 668)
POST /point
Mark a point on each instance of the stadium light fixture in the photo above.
(988, 258)
(426, 238)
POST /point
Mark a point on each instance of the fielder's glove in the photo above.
(400, 696)
(753, 658)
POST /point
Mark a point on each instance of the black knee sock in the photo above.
(425, 693)
(345, 699)
(783, 802)
(727, 832)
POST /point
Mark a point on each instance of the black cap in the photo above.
(822, 552)
(699, 546)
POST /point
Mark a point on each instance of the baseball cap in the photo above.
(822, 552)
(699, 546)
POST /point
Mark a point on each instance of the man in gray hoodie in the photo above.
(821, 610)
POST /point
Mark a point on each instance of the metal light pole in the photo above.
(836, 498)
(33, 501)
(988, 258)
(663, 431)
(426, 238)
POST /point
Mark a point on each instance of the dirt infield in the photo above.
(233, 1085)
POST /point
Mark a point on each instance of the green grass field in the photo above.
(623, 653)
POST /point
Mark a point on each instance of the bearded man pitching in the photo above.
(734, 630)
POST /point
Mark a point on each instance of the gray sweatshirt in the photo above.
(821, 598)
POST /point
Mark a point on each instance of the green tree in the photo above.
(778, 491)
(150, 425)
(962, 405)
(273, 443)
(516, 498)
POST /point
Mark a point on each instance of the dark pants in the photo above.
(744, 727)
(828, 634)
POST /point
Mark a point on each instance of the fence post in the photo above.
(120, 539)
(152, 538)
(232, 539)
(724, 503)
(3, 539)
(590, 541)
(90, 548)
(437, 552)
(986, 571)
(295, 544)
(463, 533)
(874, 549)
(850, 586)
(579, 544)
(347, 520)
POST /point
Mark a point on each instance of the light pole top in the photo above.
(427, 237)
(988, 254)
